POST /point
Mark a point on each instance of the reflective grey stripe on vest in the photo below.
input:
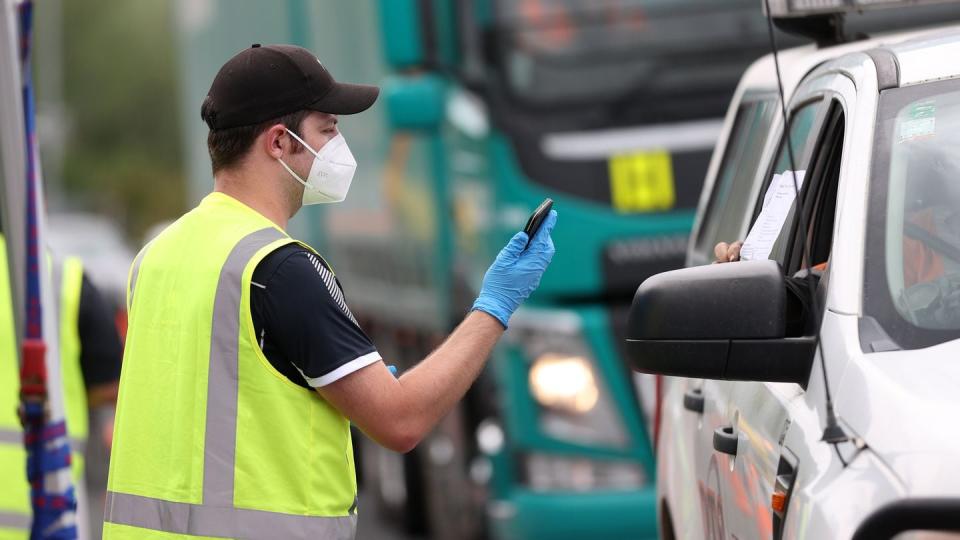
(217, 515)
(11, 436)
(10, 520)
(56, 272)
(133, 276)
(201, 520)
(78, 446)
(222, 380)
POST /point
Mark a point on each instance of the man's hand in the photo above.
(725, 252)
(516, 272)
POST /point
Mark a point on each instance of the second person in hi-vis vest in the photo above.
(90, 350)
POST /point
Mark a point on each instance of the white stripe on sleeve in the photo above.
(342, 371)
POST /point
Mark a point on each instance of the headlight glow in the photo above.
(564, 382)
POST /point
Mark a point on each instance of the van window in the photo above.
(802, 136)
(818, 198)
(802, 139)
(724, 214)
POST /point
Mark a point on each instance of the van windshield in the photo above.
(914, 250)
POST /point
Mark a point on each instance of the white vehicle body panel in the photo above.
(917, 391)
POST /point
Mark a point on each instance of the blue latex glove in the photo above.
(516, 272)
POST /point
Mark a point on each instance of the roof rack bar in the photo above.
(807, 8)
(823, 20)
(824, 29)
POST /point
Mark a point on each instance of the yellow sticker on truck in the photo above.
(642, 182)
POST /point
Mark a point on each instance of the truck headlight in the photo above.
(569, 388)
(574, 404)
(563, 382)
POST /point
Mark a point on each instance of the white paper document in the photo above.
(776, 205)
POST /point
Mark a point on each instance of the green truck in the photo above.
(611, 108)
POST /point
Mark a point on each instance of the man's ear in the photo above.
(276, 142)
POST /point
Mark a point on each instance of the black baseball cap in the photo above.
(269, 81)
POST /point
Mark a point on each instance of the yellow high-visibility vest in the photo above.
(210, 440)
(15, 509)
(74, 389)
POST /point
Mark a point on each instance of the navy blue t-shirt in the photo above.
(302, 321)
(101, 350)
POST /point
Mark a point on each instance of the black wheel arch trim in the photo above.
(918, 514)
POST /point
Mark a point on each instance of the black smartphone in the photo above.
(536, 219)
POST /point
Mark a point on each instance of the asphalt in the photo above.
(370, 526)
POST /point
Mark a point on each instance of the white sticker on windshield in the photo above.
(776, 206)
(920, 121)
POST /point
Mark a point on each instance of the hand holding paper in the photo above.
(777, 203)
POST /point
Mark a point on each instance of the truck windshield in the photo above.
(913, 279)
(587, 51)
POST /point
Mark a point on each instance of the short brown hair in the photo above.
(228, 146)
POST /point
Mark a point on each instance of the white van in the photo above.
(875, 131)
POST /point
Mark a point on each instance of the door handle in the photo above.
(693, 400)
(725, 440)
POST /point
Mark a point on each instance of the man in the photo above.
(90, 352)
(244, 366)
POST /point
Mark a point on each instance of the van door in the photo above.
(719, 488)
(749, 450)
(683, 405)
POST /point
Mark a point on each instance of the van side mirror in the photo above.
(721, 321)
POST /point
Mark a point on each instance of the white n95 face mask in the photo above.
(331, 172)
